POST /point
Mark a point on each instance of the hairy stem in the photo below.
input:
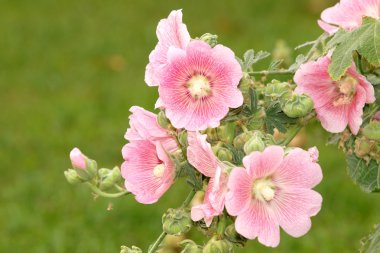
(273, 72)
(105, 194)
(314, 48)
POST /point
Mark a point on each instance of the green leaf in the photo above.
(365, 40)
(275, 118)
(366, 175)
(371, 244)
(251, 58)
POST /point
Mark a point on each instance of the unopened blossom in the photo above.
(348, 14)
(144, 126)
(274, 190)
(171, 32)
(201, 156)
(78, 160)
(199, 85)
(337, 103)
(147, 170)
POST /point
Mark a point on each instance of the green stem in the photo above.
(105, 194)
(273, 72)
(291, 134)
(162, 236)
(221, 225)
(314, 48)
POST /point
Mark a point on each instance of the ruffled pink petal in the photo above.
(293, 209)
(364, 83)
(239, 195)
(298, 170)
(330, 29)
(262, 164)
(170, 32)
(218, 192)
(258, 221)
(200, 155)
(356, 110)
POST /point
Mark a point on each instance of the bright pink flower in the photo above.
(348, 14)
(200, 155)
(147, 170)
(337, 103)
(144, 126)
(78, 160)
(199, 85)
(274, 190)
(171, 32)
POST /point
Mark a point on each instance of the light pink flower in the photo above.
(199, 85)
(272, 191)
(144, 126)
(200, 155)
(78, 160)
(348, 14)
(171, 32)
(147, 170)
(337, 103)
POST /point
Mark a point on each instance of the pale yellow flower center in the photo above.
(159, 170)
(347, 89)
(199, 86)
(263, 189)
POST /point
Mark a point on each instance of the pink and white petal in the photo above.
(239, 193)
(330, 29)
(356, 110)
(262, 164)
(227, 57)
(218, 191)
(258, 221)
(293, 209)
(200, 154)
(298, 170)
(333, 118)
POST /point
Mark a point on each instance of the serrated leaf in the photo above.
(260, 56)
(365, 40)
(371, 244)
(274, 65)
(251, 58)
(338, 38)
(299, 61)
(366, 175)
(275, 118)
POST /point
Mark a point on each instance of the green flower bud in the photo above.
(90, 171)
(176, 221)
(224, 154)
(363, 146)
(163, 121)
(112, 178)
(245, 83)
(134, 249)
(298, 106)
(190, 247)
(372, 130)
(182, 138)
(278, 90)
(218, 246)
(72, 176)
(241, 139)
(255, 143)
(234, 237)
(210, 39)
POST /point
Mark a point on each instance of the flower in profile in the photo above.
(199, 85)
(147, 170)
(337, 103)
(78, 160)
(144, 126)
(200, 155)
(348, 14)
(272, 191)
(171, 32)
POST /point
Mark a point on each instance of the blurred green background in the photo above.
(69, 72)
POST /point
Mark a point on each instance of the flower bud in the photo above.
(134, 249)
(224, 154)
(78, 160)
(255, 143)
(298, 106)
(216, 245)
(176, 221)
(241, 139)
(110, 178)
(245, 84)
(163, 121)
(72, 176)
(182, 138)
(372, 130)
(190, 247)
(210, 39)
(363, 146)
(85, 167)
(234, 237)
(278, 90)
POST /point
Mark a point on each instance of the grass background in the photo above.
(69, 72)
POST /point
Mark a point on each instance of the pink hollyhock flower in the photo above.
(144, 126)
(348, 14)
(171, 32)
(272, 191)
(337, 103)
(199, 84)
(78, 160)
(200, 155)
(147, 170)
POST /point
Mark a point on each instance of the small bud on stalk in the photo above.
(210, 39)
(190, 247)
(163, 121)
(109, 178)
(216, 245)
(176, 221)
(72, 176)
(85, 168)
(278, 90)
(234, 237)
(241, 139)
(255, 143)
(298, 106)
(372, 130)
